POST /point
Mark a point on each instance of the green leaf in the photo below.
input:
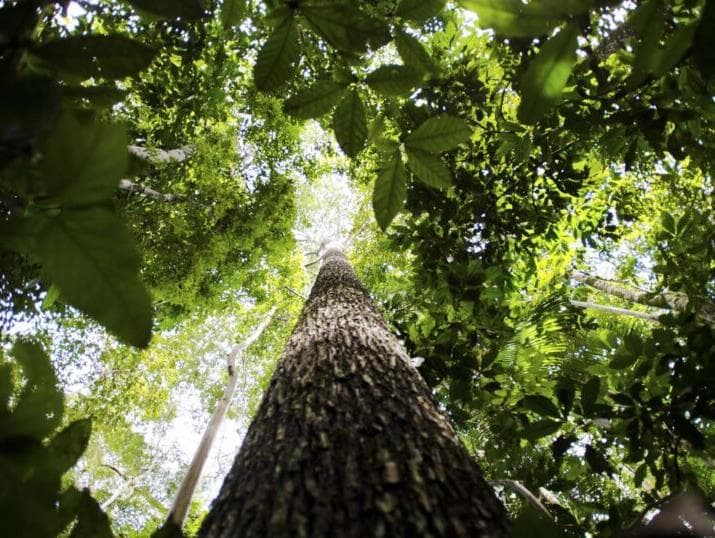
(540, 405)
(623, 359)
(96, 96)
(531, 523)
(589, 394)
(276, 60)
(107, 56)
(232, 13)
(597, 461)
(640, 474)
(512, 18)
(333, 21)
(704, 42)
(428, 168)
(69, 444)
(5, 387)
(419, 11)
(413, 53)
(83, 163)
(390, 190)
(39, 406)
(539, 429)
(92, 521)
(28, 108)
(350, 124)
(547, 75)
(171, 9)
(667, 222)
(51, 297)
(438, 134)
(685, 429)
(394, 80)
(316, 100)
(92, 259)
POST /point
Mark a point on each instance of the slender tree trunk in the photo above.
(665, 299)
(348, 441)
(186, 490)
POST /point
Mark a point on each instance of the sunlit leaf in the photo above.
(390, 191)
(413, 53)
(428, 168)
(316, 100)
(438, 134)
(512, 18)
(394, 80)
(350, 124)
(83, 162)
(92, 259)
(547, 75)
(419, 11)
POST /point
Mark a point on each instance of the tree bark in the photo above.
(615, 310)
(161, 156)
(665, 299)
(129, 185)
(182, 501)
(348, 441)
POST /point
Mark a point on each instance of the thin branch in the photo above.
(129, 185)
(291, 290)
(522, 490)
(161, 156)
(615, 310)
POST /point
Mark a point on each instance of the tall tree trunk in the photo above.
(348, 441)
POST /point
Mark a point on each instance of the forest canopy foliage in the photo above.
(526, 188)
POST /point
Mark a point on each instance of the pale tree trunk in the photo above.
(180, 508)
(348, 441)
(665, 299)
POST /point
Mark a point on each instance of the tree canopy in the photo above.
(525, 187)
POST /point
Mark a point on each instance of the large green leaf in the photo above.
(419, 11)
(512, 18)
(92, 259)
(107, 56)
(38, 410)
(171, 9)
(350, 124)
(276, 60)
(547, 75)
(541, 428)
(333, 21)
(232, 12)
(69, 444)
(92, 522)
(394, 80)
(390, 190)
(83, 162)
(540, 405)
(413, 53)
(28, 108)
(428, 168)
(316, 100)
(589, 394)
(438, 134)
(102, 96)
(704, 49)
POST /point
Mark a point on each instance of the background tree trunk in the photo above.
(348, 440)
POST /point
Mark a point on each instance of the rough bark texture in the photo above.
(664, 299)
(348, 441)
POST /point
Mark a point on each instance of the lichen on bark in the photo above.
(348, 441)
